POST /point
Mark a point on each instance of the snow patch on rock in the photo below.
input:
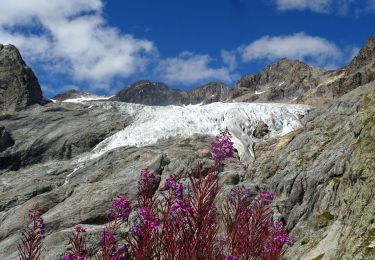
(84, 99)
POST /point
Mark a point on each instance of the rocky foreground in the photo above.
(322, 172)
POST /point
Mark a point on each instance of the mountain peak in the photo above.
(365, 56)
(19, 87)
(282, 80)
(149, 93)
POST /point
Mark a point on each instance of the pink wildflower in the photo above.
(223, 146)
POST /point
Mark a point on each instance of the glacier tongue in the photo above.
(152, 124)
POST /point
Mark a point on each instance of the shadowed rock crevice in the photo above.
(6, 139)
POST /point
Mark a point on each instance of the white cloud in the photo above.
(316, 50)
(190, 68)
(341, 7)
(371, 5)
(229, 58)
(313, 5)
(72, 37)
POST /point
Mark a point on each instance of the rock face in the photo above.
(208, 93)
(334, 84)
(324, 176)
(55, 131)
(366, 56)
(149, 93)
(19, 87)
(294, 81)
(282, 81)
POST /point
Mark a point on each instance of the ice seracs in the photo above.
(152, 124)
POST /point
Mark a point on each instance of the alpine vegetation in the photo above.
(30, 246)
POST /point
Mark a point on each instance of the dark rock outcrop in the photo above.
(19, 87)
(261, 130)
(149, 93)
(207, 93)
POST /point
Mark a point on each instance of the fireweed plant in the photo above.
(30, 246)
(181, 222)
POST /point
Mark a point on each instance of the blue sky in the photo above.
(101, 46)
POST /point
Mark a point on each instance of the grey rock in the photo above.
(296, 82)
(334, 84)
(365, 56)
(324, 172)
(19, 87)
(261, 130)
(57, 131)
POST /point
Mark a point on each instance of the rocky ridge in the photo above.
(159, 94)
(337, 83)
(285, 81)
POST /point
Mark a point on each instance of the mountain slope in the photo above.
(324, 177)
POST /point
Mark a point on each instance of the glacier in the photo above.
(153, 124)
